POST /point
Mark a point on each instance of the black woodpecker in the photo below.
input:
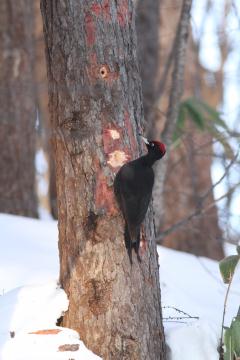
(133, 186)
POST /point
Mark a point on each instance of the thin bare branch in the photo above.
(198, 212)
(227, 169)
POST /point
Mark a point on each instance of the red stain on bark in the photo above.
(128, 126)
(123, 14)
(96, 9)
(102, 10)
(104, 196)
(106, 10)
(93, 68)
(90, 29)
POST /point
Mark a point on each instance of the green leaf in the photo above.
(227, 267)
(204, 117)
(232, 340)
(179, 125)
(215, 115)
(176, 140)
(235, 333)
(228, 354)
(195, 114)
(181, 116)
(207, 113)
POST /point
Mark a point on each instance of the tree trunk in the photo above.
(17, 109)
(50, 200)
(148, 30)
(96, 112)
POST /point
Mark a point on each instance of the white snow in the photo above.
(194, 285)
(32, 301)
(29, 252)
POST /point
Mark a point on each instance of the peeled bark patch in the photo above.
(68, 347)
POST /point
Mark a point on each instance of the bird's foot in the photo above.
(130, 255)
(139, 258)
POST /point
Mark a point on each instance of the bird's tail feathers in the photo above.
(132, 242)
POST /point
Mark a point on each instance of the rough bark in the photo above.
(17, 109)
(96, 112)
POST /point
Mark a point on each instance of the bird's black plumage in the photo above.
(133, 189)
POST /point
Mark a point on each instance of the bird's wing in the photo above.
(117, 190)
(122, 182)
(137, 207)
(133, 199)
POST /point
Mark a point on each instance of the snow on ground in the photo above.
(28, 312)
(28, 252)
(194, 285)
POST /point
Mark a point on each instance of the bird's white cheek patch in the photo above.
(117, 158)
(114, 134)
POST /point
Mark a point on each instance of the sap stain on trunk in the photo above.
(90, 29)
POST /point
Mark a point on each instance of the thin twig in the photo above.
(176, 321)
(181, 312)
(209, 191)
(196, 213)
(200, 210)
(180, 317)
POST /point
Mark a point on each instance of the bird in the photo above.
(133, 186)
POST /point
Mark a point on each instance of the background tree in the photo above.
(17, 109)
(96, 113)
(49, 200)
(188, 170)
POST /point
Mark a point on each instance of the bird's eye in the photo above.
(152, 144)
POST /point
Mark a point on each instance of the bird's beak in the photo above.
(144, 139)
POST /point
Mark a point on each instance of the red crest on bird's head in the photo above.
(160, 145)
(157, 146)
